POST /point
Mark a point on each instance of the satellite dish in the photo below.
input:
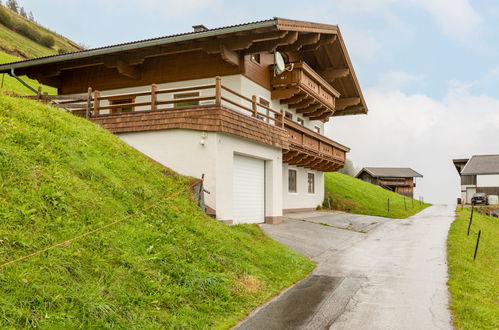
(279, 65)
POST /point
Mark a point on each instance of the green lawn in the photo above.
(349, 194)
(9, 84)
(474, 285)
(170, 267)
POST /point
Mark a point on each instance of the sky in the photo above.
(429, 69)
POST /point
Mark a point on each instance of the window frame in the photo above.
(295, 185)
(121, 100)
(300, 121)
(317, 129)
(185, 95)
(288, 115)
(311, 183)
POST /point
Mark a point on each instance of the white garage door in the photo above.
(248, 190)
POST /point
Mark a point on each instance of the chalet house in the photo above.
(479, 174)
(400, 180)
(243, 104)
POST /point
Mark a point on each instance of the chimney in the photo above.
(199, 28)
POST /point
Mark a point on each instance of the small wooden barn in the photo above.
(397, 179)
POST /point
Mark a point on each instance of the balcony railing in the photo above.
(98, 105)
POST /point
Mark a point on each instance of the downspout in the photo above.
(13, 74)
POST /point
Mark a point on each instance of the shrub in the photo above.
(47, 41)
(5, 17)
(27, 31)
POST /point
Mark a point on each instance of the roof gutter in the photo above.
(137, 45)
(13, 74)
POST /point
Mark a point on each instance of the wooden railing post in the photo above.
(154, 97)
(254, 106)
(218, 90)
(88, 114)
(96, 103)
(283, 114)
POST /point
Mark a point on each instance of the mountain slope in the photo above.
(12, 42)
(168, 267)
(345, 193)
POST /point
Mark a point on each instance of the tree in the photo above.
(22, 12)
(12, 5)
(349, 168)
(31, 17)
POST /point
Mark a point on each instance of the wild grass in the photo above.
(170, 267)
(349, 194)
(9, 84)
(474, 284)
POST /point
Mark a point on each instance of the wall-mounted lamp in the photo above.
(203, 138)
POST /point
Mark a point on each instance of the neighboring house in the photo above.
(212, 101)
(479, 174)
(398, 179)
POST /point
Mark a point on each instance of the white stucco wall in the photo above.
(302, 199)
(489, 180)
(182, 151)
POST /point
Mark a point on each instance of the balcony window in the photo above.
(265, 103)
(300, 121)
(311, 183)
(292, 181)
(186, 96)
(317, 129)
(128, 108)
(289, 115)
(255, 58)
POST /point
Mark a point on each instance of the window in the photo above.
(311, 183)
(186, 96)
(289, 115)
(255, 58)
(292, 181)
(125, 108)
(265, 103)
(317, 129)
(300, 121)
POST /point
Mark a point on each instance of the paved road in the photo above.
(372, 273)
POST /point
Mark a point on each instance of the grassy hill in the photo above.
(168, 267)
(473, 284)
(349, 194)
(14, 43)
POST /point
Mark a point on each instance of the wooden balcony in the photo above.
(312, 150)
(216, 108)
(306, 91)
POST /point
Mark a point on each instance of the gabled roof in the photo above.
(390, 172)
(482, 164)
(321, 45)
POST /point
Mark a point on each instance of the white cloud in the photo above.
(397, 79)
(361, 43)
(417, 131)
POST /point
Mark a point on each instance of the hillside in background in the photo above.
(170, 266)
(345, 193)
(27, 39)
(16, 46)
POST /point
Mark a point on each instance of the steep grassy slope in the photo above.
(473, 284)
(14, 43)
(349, 194)
(169, 267)
(10, 85)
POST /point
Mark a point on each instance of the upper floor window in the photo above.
(186, 103)
(300, 121)
(289, 115)
(265, 103)
(292, 181)
(311, 183)
(255, 58)
(317, 129)
(124, 108)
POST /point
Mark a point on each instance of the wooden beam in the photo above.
(332, 74)
(284, 93)
(311, 108)
(244, 42)
(325, 39)
(344, 102)
(302, 104)
(303, 40)
(289, 155)
(294, 99)
(322, 116)
(350, 110)
(130, 71)
(271, 45)
(320, 111)
(229, 56)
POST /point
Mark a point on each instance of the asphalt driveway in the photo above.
(372, 273)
